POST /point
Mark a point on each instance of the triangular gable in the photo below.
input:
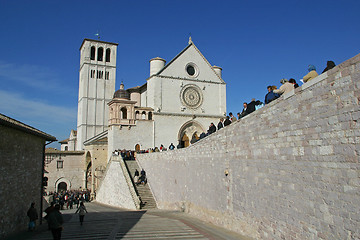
(190, 54)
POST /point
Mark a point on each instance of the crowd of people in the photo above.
(289, 85)
(273, 93)
(69, 198)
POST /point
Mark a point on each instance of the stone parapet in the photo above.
(290, 170)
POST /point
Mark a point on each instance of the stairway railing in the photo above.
(130, 182)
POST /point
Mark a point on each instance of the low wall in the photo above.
(293, 166)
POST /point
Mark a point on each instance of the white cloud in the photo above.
(49, 118)
(34, 76)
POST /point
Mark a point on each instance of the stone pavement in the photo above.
(104, 222)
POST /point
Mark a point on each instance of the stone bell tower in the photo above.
(96, 88)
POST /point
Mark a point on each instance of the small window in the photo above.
(190, 70)
(124, 113)
(150, 116)
(100, 54)
(143, 115)
(60, 164)
(107, 75)
(107, 56)
(66, 148)
(92, 53)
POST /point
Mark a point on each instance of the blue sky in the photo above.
(255, 42)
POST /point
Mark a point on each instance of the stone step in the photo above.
(144, 191)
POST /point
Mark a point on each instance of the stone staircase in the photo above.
(144, 192)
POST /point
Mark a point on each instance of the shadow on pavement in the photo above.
(97, 225)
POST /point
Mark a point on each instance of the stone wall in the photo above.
(293, 166)
(114, 189)
(20, 176)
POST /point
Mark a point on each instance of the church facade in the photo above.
(176, 103)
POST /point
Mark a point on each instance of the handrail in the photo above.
(130, 183)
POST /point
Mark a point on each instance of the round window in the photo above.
(190, 70)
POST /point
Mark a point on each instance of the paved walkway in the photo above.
(104, 222)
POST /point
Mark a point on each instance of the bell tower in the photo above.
(96, 88)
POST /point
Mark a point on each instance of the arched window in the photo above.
(143, 115)
(66, 148)
(137, 115)
(124, 112)
(92, 53)
(100, 54)
(150, 116)
(107, 56)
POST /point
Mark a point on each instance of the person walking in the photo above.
(33, 216)
(55, 221)
(81, 210)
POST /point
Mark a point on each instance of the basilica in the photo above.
(176, 103)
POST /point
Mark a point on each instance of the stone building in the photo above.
(176, 104)
(64, 170)
(21, 174)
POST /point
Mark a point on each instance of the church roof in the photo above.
(64, 141)
(56, 151)
(137, 88)
(10, 122)
(184, 50)
(100, 138)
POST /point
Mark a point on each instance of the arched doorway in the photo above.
(62, 187)
(191, 129)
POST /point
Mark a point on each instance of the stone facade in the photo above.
(21, 171)
(179, 101)
(97, 76)
(290, 170)
(64, 169)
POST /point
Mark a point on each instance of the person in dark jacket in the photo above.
(211, 129)
(251, 106)
(244, 111)
(227, 121)
(270, 96)
(33, 216)
(55, 221)
(329, 65)
(220, 124)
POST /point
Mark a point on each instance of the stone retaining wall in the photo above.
(293, 166)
